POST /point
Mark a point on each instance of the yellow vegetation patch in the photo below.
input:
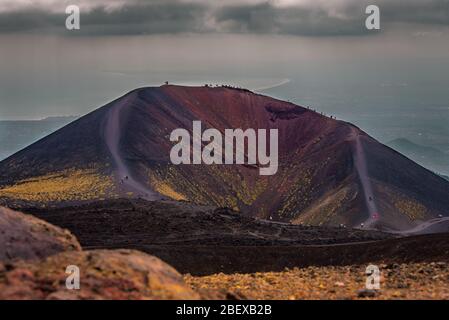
(244, 192)
(298, 194)
(325, 209)
(72, 184)
(233, 189)
(406, 205)
(413, 209)
(165, 189)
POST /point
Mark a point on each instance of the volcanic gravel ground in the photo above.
(398, 281)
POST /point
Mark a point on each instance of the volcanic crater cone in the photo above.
(330, 172)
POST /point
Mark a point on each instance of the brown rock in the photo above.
(104, 274)
(367, 293)
(26, 237)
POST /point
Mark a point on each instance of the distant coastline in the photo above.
(278, 84)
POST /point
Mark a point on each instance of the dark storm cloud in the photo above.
(156, 17)
(433, 12)
(29, 20)
(175, 16)
(313, 21)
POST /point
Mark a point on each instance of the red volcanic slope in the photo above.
(330, 172)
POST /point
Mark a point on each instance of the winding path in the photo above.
(360, 164)
(426, 227)
(374, 216)
(112, 134)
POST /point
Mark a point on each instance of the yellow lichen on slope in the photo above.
(165, 189)
(326, 209)
(406, 205)
(244, 192)
(413, 209)
(73, 184)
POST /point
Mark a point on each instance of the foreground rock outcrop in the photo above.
(26, 237)
(104, 274)
(34, 256)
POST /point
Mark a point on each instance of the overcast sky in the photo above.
(48, 70)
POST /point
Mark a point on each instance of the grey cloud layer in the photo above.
(176, 16)
(137, 18)
(313, 21)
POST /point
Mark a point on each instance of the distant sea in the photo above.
(17, 134)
